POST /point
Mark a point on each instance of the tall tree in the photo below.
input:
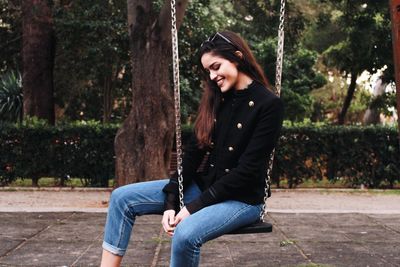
(395, 16)
(144, 142)
(38, 59)
(365, 45)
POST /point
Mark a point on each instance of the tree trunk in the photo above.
(107, 96)
(372, 115)
(35, 181)
(349, 97)
(38, 59)
(143, 144)
(395, 16)
(109, 79)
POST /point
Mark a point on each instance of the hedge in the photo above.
(355, 155)
(34, 151)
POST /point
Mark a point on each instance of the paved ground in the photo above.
(47, 228)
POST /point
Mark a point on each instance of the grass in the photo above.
(52, 182)
(377, 191)
(324, 183)
(310, 183)
(287, 242)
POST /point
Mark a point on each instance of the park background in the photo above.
(72, 107)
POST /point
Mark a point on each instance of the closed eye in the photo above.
(215, 66)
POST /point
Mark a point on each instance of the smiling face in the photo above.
(220, 70)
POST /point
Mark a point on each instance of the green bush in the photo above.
(37, 150)
(354, 155)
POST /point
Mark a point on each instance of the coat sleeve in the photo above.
(191, 161)
(262, 142)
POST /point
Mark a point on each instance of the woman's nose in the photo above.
(213, 75)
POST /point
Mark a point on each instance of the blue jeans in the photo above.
(133, 200)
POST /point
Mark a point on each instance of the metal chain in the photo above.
(279, 50)
(178, 138)
(278, 86)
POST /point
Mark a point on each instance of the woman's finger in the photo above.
(171, 220)
(183, 213)
(178, 219)
(167, 227)
(168, 217)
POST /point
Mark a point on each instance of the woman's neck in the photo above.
(243, 81)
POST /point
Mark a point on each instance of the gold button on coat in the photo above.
(251, 103)
(239, 126)
(230, 148)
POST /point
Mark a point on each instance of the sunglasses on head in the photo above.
(217, 34)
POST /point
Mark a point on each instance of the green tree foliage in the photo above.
(92, 56)
(301, 78)
(366, 32)
(92, 67)
(202, 18)
(360, 39)
(258, 22)
(328, 100)
(383, 103)
(10, 35)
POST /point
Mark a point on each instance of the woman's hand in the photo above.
(181, 215)
(168, 222)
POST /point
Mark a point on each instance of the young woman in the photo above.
(237, 127)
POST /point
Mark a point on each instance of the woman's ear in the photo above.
(239, 54)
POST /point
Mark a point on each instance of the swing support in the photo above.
(260, 226)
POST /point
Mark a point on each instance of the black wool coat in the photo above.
(246, 131)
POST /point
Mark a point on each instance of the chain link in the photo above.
(278, 86)
(279, 51)
(267, 185)
(178, 138)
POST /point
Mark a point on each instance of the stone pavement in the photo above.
(308, 238)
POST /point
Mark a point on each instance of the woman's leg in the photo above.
(110, 260)
(206, 224)
(126, 203)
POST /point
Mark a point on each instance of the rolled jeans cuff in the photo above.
(113, 250)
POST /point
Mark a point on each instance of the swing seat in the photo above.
(255, 228)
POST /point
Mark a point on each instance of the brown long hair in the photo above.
(223, 44)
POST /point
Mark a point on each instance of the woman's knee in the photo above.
(119, 198)
(117, 194)
(139, 199)
(185, 237)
